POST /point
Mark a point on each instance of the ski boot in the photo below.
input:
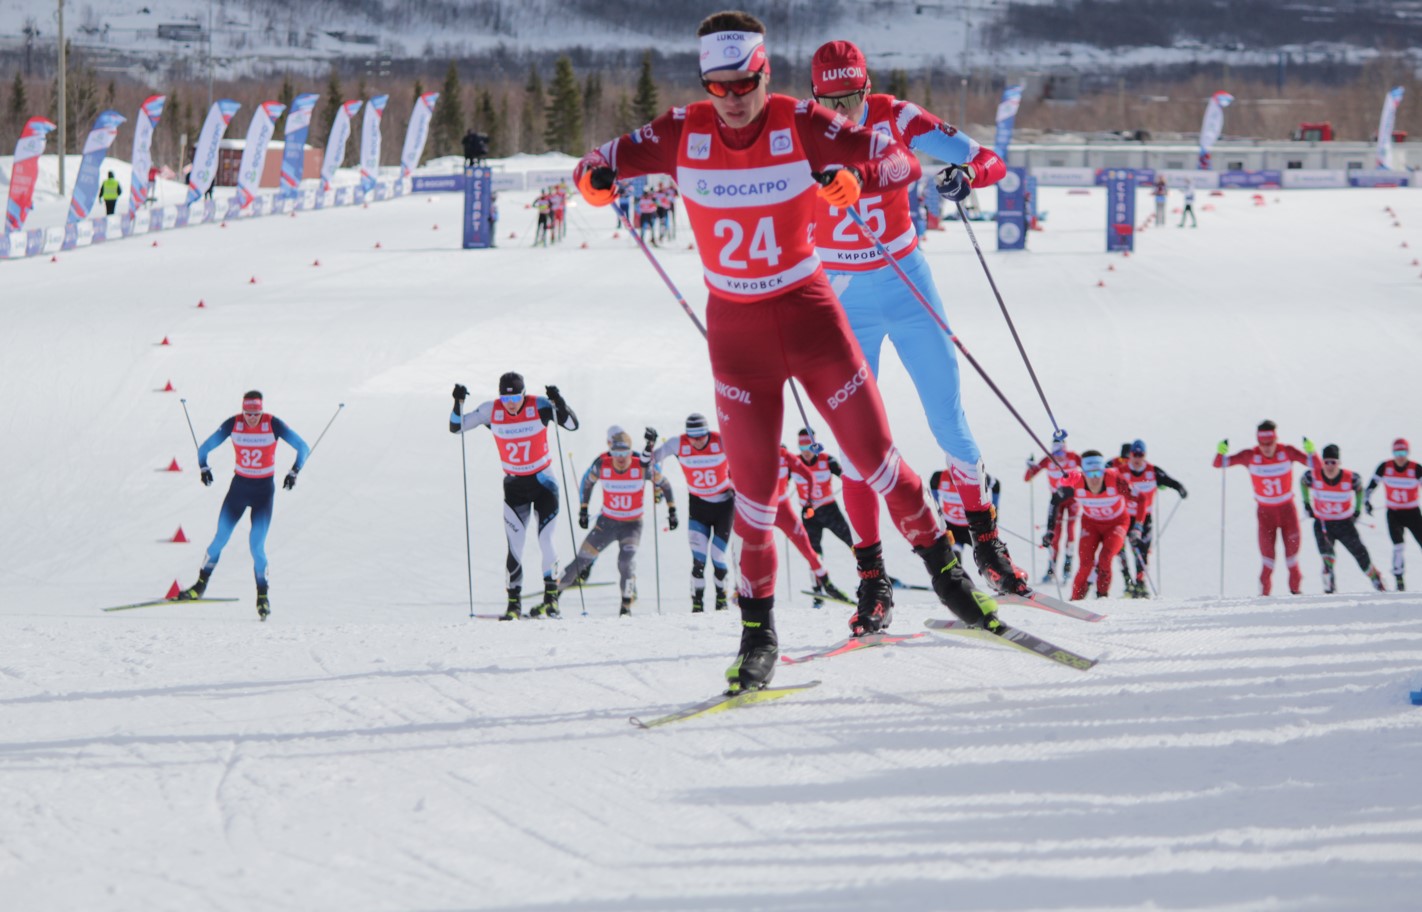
(549, 606)
(264, 607)
(1050, 575)
(721, 604)
(1142, 588)
(515, 607)
(698, 604)
(1376, 579)
(990, 554)
(1329, 586)
(955, 590)
(824, 587)
(1066, 567)
(1398, 578)
(759, 652)
(626, 608)
(1295, 580)
(196, 590)
(875, 595)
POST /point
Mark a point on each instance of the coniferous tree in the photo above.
(288, 92)
(592, 104)
(928, 90)
(500, 139)
(530, 125)
(563, 131)
(486, 121)
(645, 105)
(331, 104)
(447, 124)
(898, 84)
(171, 128)
(626, 119)
(16, 112)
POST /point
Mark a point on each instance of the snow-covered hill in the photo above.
(164, 39)
(372, 748)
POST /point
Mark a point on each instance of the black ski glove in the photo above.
(650, 434)
(583, 516)
(1308, 508)
(671, 518)
(1183, 493)
(1369, 507)
(955, 182)
(554, 396)
(290, 481)
(461, 392)
(206, 475)
(1135, 534)
(1048, 538)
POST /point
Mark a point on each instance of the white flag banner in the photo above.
(336, 143)
(1385, 125)
(1213, 125)
(418, 131)
(254, 156)
(370, 142)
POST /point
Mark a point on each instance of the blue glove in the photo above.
(955, 182)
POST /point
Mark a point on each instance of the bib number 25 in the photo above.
(762, 243)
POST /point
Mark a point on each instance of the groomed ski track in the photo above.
(370, 748)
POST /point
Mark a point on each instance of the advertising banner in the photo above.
(205, 157)
(254, 151)
(293, 152)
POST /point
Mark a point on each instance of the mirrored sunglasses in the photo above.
(840, 102)
(1399, 454)
(736, 87)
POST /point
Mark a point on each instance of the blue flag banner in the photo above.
(1120, 209)
(1006, 117)
(96, 149)
(1012, 210)
(293, 151)
(478, 196)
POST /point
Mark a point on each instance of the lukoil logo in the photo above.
(843, 73)
(733, 393)
(853, 386)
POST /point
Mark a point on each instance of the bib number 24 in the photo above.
(762, 243)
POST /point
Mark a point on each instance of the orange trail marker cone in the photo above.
(690, 246)
(165, 341)
(179, 537)
(1100, 283)
(200, 303)
(54, 259)
(223, 225)
(584, 245)
(377, 245)
(1404, 244)
(1111, 268)
(173, 466)
(435, 228)
(155, 243)
(513, 234)
(168, 388)
(252, 280)
(616, 235)
(173, 592)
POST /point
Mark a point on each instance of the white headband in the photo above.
(732, 51)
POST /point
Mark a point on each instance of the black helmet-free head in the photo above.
(511, 384)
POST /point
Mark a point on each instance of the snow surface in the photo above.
(371, 748)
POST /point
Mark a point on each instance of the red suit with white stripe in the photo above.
(1106, 517)
(1066, 461)
(1273, 478)
(787, 518)
(750, 198)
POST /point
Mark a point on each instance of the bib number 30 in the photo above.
(762, 243)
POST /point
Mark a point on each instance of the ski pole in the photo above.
(468, 542)
(1032, 518)
(337, 414)
(943, 325)
(701, 327)
(190, 428)
(567, 500)
(656, 543)
(1141, 561)
(1224, 477)
(1168, 517)
(1008, 317)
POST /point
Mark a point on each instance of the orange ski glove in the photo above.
(596, 182)
(840, 188)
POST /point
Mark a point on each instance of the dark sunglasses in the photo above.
(736, 87)
(840, 102)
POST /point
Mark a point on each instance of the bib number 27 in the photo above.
(762, 243)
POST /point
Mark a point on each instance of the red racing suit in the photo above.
(1273, 479)
(749, 195)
